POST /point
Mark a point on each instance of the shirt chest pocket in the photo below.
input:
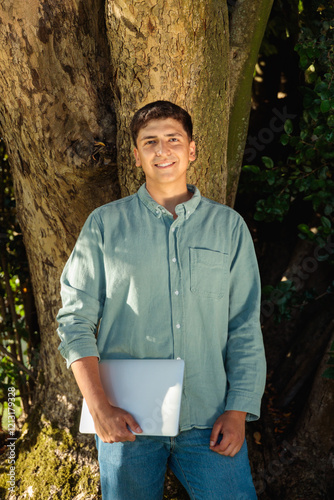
(208, 272)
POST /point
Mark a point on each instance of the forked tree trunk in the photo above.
(72, 74)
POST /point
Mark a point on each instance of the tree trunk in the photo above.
(191, 56)
(179, 54)
(72, 74)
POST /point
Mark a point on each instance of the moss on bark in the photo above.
(51, 462)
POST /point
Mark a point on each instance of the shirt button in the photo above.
(173, 229)
(176, 292)
(157, 211)
(178, 326)
(173, 259)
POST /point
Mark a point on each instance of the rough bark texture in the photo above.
(55, 103)
(189, 54)
(179, 52)
(72, 72)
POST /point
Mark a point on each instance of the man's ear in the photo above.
(192, 151)
(138, 162)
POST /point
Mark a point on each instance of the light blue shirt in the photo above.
(155, 287)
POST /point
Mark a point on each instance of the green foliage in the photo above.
(17, 344)
(281, 25)
(308, 173)
(303, 183)
(282, 297)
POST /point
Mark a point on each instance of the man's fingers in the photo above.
(223, 445)
(116, 426)
(133, 425)
(216, 430)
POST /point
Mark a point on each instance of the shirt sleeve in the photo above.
(245, 358)
(83, 294)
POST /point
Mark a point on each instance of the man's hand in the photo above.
(231, 425)
(113, 424)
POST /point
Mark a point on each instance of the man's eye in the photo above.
(173, 139)
(150, 142)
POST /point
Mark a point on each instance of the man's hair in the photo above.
(160, 110)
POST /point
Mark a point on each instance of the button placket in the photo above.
(175, 284)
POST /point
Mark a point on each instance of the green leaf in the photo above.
(321, 87)
(285, 286)
(271, 178)
(304, 62)
(284, 139)
(303, 135)
(325, 106)
(268, 162)
(328, 209)
(304, 228)
(251, 168)
(330, 120)
(288, 127)
(313, 112)
(326, 222)
(319, 130)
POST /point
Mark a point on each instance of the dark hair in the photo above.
(159, 110)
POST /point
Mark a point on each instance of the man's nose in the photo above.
(162, 149)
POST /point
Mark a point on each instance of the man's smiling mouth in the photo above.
(165, 164)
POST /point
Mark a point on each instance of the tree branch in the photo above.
(247, 27)
(17, 362)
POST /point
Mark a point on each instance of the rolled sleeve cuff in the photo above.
(241, 401)
(79, 352)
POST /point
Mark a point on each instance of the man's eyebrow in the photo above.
(146, 137)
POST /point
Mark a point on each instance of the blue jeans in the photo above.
(136, 470)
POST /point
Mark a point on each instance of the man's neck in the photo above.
(168, 197)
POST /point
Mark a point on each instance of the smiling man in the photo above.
(164, 151)
(167, 273)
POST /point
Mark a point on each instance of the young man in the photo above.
(167, 273)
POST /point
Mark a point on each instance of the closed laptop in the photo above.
(149, 389)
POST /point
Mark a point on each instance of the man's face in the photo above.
(164, 152)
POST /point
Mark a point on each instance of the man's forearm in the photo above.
(87, 376)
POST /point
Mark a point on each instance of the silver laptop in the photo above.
(149, 389)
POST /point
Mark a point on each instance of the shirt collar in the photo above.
(185, 209)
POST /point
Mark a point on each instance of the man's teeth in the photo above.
(164, 164)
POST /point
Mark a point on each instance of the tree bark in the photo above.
(55, 105)
(248, 21)
(191, 55)
(179, 52)
(72, 74)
